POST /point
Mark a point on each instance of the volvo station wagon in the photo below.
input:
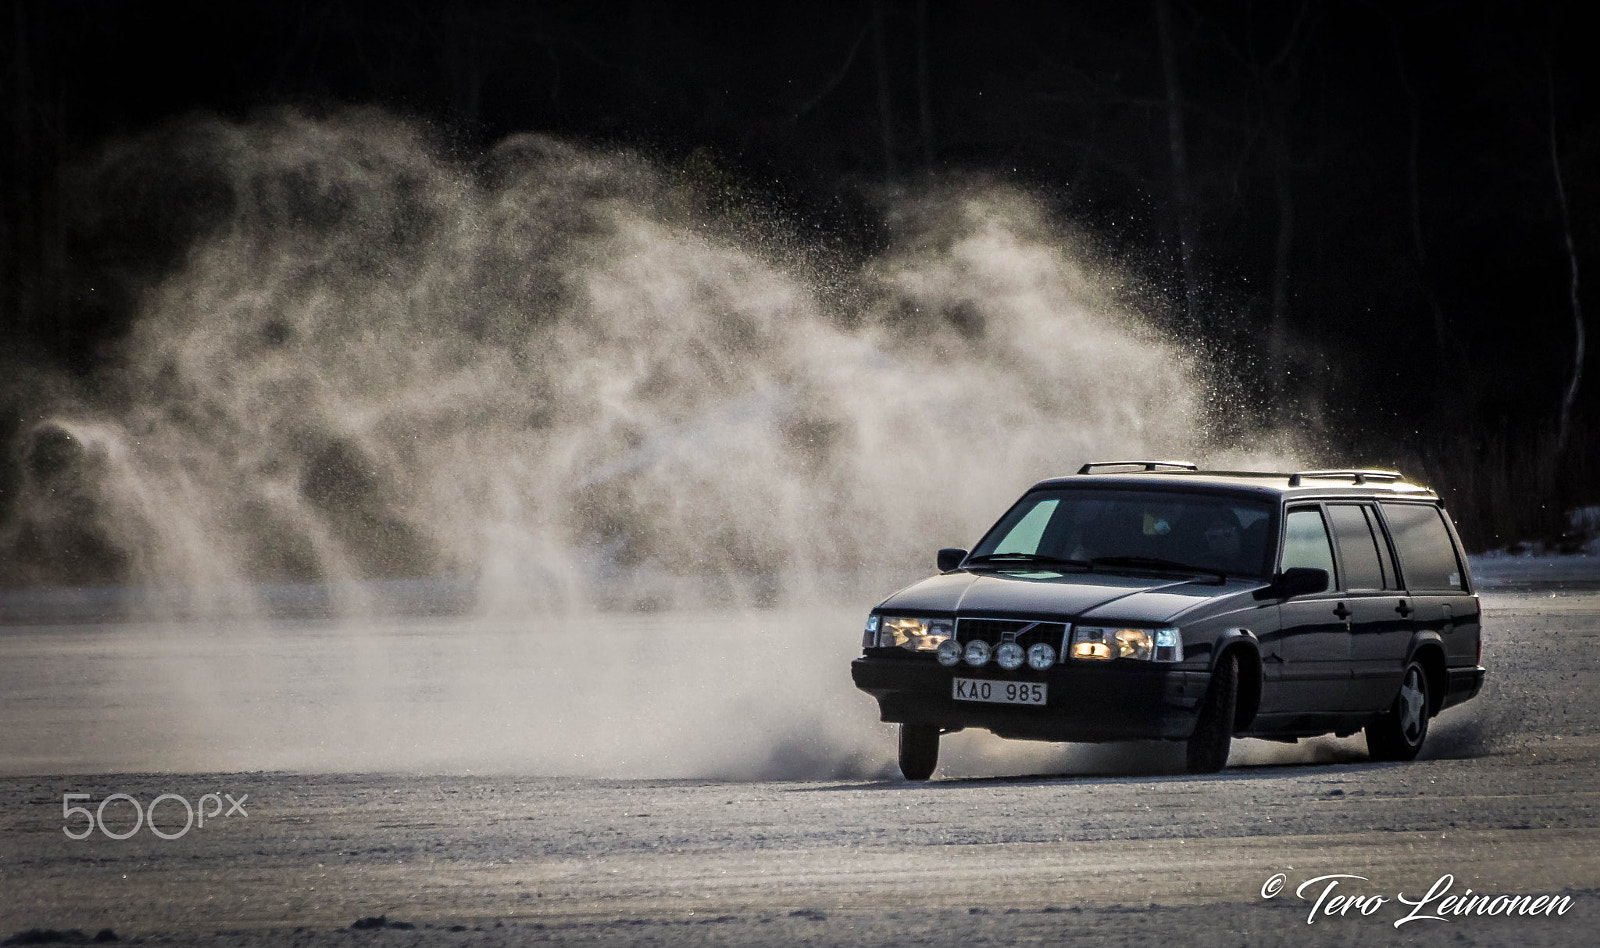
(1148, 600)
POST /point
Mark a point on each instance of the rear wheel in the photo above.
(1399, 734)
(1213, 732)
(919, 751)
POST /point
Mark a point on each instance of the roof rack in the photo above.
(1147, 465)
(1361, 477)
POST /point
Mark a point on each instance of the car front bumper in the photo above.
(1114, 701)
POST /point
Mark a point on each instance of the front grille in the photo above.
(995, 631)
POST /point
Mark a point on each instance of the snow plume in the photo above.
(559, 376)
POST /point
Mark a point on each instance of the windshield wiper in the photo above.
(1025, 559)
(1156, 562)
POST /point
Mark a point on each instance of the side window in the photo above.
(1391, 578)
(1305, 542)
(1024, 537)
(1427, 557)
(1358, 551)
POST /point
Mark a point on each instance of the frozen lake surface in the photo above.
(713, 778)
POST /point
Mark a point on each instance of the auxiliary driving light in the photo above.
(1041, 656)
(1009, 656)
(978, 653)
(949, 652)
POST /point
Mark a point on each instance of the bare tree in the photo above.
(32, 238)
(891, 168)
(17, 225)
(1179, 152)
(1441, 329)
(1570, 398)
(924, 93)
(1276, 79)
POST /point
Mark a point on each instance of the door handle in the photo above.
(1341, 611)
(1404, 608)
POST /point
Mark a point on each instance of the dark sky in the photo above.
(1373, 182)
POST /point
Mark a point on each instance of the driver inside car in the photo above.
(1221, 541)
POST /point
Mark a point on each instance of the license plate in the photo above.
(997, 692)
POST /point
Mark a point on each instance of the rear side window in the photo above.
(1391, 577)
(1427, 557)
(1305, 542)
(1358, 550)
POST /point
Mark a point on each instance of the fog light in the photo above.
(1041, 656)
(949, 652)
(978, 653)
(1009, 656)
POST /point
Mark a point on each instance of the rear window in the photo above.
(1422, 541)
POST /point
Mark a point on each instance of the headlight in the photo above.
(1090, 643)
(1009, 656)
(1041, 656)
(1135, 643)
(1151, 645)
(949, 653)
(919, 635)
(977, 653)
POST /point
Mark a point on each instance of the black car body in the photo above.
(1170, 603)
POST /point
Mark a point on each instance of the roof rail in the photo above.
(1147, 465)
(1361, 477)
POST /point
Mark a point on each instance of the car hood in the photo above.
(1070, 596)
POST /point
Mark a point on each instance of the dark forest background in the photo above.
(1376, 218)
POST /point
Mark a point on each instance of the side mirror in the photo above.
(1298, 581)
(950, 558)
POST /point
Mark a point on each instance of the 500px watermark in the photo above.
(143, 816)
(1438, 905)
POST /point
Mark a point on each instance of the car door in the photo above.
(1314, 644)
(1431, 573)
(1380, 631)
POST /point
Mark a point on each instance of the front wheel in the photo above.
(1399, 734)
(1208, 747)
(919, 751)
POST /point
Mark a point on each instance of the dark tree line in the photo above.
(1377, 215)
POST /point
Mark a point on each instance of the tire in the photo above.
(1208, 747)
(919, 751)
(1399, 734)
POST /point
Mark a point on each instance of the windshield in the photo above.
(1109, 528)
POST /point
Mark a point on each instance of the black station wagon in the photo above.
(1165, 602)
